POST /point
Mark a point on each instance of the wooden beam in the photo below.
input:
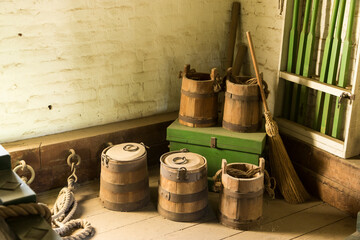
(335, 180)
(310, 136)
(47, 155)
(314, 84)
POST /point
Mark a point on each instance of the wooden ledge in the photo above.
(88, 132)
(48, 154)
(335, 180)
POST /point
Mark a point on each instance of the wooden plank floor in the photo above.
(311, 220)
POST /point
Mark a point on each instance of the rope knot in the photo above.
(271, 127)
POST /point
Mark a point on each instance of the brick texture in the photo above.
(68, 64)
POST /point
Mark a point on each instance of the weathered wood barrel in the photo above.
(241, 199)
(124, 182)
(242, 107)
(198, 103)
(183, 191)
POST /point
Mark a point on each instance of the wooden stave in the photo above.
(185, 211)
(246, 215)
(240, 225)
(127, 206)
(198, 103)
(244, 100)
(182, 217)
(126, 199)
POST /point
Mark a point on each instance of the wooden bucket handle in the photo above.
(223, 166)
(228, 73)
(262, 164)
(183, 74)
(186, 68)
(214, 73)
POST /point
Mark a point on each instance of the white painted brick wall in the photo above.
(97, 62)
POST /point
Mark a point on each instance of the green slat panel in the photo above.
(299, 62)
(334, 59)
(225, 139)
(291, 59)
(343, 75)
(307, 60)
(325, 67)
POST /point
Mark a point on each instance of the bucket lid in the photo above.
(126, 151)
(189, 160)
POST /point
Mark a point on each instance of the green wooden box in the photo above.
(216, 143)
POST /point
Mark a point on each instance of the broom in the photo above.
(288, 181)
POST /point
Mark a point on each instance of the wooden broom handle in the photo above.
(258, 77)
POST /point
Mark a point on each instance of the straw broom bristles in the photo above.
(286, 177)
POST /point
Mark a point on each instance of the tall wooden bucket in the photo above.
(242, 107)
(124, 182)
(183, 192)
(241, 199)
(198, 103)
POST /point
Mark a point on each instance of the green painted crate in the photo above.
(216, 143)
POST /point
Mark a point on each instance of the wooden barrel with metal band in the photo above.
(124, 182)
(198, 103)
(241, 199)
(242, 107)
(183, 192)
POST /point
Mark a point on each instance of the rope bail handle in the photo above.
(218, 175)
(215, 76)
(269, 182)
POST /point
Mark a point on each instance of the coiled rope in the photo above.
(26, 209)
(66, 205)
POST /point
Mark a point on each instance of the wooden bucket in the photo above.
(183, 192)
(124, 182)
(242, 107)
(241, 199)
(198, 103)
